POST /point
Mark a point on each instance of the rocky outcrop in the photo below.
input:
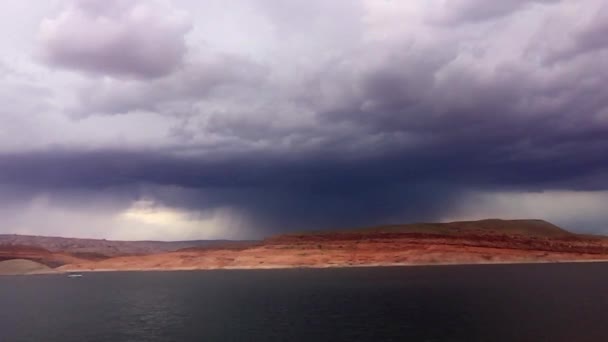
(380, 247)
(92, 248)
(487, 241)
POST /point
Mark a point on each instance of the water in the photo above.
(565, 302)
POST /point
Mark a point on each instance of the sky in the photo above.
(187, 119)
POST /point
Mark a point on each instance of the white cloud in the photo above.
(123, 38)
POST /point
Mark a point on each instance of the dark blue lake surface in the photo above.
(559, 302)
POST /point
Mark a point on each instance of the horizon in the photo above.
(178, 120)
(325, 229)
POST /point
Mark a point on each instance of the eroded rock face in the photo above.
(366, 249)
(486, 241)
(22, 266)
(39, 255)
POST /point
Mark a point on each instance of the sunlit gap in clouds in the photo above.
(113, 217)
(146, 219)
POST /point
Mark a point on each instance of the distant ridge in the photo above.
(523, 227)
(465, 242)
(102, 248)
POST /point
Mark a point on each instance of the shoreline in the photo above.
(486, 242)
(282, 267)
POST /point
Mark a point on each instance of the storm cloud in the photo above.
(249, 119)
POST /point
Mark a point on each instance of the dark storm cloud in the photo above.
(330, 187)
(274, 193)
(390, 120)
(124, 38)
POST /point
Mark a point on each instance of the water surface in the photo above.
(559, 302)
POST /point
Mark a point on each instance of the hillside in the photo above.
(102, 248)
(530, 228)
(43, 256)
(22, 266)
(485, 241)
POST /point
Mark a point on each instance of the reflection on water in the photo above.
(566, 302)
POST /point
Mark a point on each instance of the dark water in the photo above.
(566, 302)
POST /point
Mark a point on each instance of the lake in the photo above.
(545, 302)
